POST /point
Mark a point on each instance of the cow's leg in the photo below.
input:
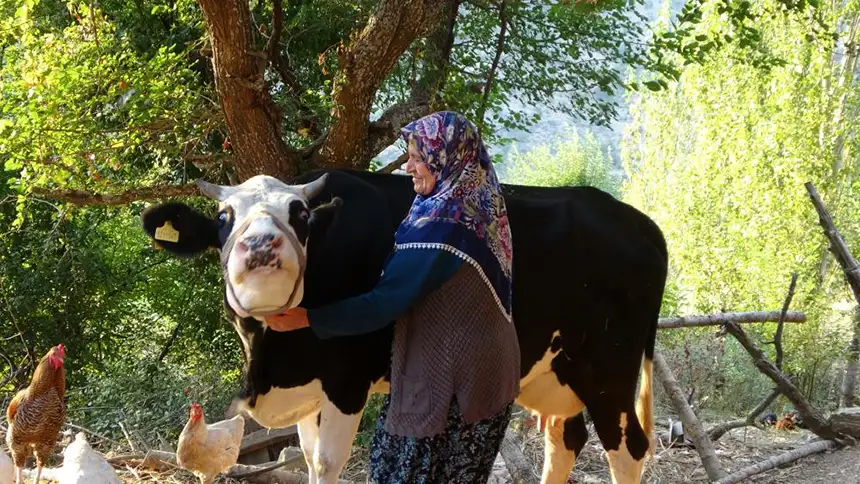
(623, 439)
(308, 436)
(336, 433)
(564, 440)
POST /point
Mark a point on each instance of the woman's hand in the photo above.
(292, 319)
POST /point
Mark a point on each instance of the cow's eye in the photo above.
(304, 214)
(223, 218)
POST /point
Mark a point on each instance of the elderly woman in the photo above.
(455, 359)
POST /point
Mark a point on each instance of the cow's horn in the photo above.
(214, 191)
(314, 188)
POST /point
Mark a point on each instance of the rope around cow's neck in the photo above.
(225, 259)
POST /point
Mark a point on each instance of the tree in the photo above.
(719, 160)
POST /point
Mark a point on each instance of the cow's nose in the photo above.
(260, 249)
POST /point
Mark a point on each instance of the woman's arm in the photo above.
(409, 276)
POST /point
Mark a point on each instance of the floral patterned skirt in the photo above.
(462, 454)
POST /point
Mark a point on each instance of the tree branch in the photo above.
(723, 318)
(692, 426)
(720, 430)
(157, 192)
(500, 47)
(363, 66)
(394, 165)
(386, 129)
(777, 338)
(437, 57)
(811, 416)
(837, 244)
(285, 69)
(168, 344)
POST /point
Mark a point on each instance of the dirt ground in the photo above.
(736, 450)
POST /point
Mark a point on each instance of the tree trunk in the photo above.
(849, 379)
(846, 421)
(363, 65)
(437, 55)
(692, 426)
(253, 120)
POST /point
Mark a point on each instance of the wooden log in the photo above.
(811, 416)
(240, 471)
(846, 421)
(723, 318)
(778, 460)
(518, 465)
(261, 439)
(692, 426)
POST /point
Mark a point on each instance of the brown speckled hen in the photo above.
(37, 414)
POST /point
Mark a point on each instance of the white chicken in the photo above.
(7, 469)
(207, 450)
(83, 465)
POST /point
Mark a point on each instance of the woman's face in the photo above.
(423, 181)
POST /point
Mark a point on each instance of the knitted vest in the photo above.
(454, 343)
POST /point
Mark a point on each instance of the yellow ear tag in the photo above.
(167, 233)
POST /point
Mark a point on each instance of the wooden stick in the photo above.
(158, 460)
(86, 430)
(718, 431)
(127, 437)
(777, 337)
(723, 318)
(811, 416)
(518, 465)
(692, 426)
(240, 471)
(779, 460)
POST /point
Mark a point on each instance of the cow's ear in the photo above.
(180, 229)
(323, 216)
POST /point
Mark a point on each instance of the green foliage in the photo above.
(719, 160)
(573, 160)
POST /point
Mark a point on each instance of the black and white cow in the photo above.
(589, 273)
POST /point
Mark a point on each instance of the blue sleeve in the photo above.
(409, 276)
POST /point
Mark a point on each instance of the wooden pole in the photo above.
(837, 244)
(692, 426)
(723, 318)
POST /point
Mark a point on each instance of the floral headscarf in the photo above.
(465, 214)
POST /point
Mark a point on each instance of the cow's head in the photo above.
(261, 230)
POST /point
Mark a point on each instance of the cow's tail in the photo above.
(645, 401)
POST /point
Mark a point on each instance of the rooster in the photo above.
(207, 450)
(37, 414)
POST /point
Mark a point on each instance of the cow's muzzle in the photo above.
(227, 250)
